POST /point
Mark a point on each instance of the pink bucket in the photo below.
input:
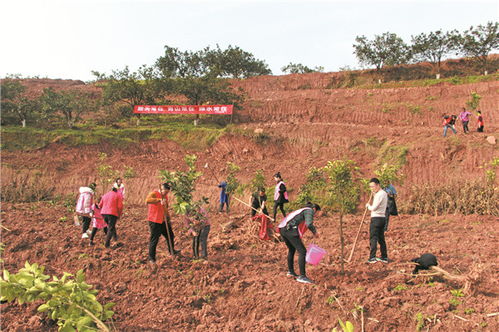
(315, 254)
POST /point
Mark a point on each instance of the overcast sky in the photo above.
(68, 39)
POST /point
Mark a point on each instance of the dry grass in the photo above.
(26, 186)
(478, 197)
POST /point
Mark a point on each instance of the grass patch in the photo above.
(187, 135)
(393, 154)
(400, 287)
(455, 80)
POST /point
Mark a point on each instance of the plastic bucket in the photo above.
(315, 254)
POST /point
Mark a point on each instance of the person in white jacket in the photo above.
(118, 184)
(378, 220)
(84, 207)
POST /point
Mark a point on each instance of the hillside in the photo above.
(288, 124)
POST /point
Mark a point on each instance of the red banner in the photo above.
(183, 109)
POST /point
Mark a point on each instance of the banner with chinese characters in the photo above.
(183, 109)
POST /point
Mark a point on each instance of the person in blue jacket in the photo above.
(224, 197)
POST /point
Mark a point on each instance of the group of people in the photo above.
(449, 121)
(106, 211)
(295, 224)
(102, 213)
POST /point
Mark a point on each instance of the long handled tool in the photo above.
(358, 232)
(168, 235)
(237, 199)
(212, 173)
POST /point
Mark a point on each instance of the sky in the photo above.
(69, 39)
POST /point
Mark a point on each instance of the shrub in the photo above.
(69, 300)
(313, 190)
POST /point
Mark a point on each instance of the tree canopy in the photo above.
(386, 49)
(479, 41)
(434, 46)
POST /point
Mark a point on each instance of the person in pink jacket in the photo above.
(111, 208)
(97, 222)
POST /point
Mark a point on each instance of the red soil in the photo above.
(243, 284)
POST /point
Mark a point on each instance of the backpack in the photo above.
(453, 120)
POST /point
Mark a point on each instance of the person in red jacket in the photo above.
(111, 209)
(158, 217)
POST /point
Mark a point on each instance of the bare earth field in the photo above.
(243, 285)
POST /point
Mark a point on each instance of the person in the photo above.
(391, 206)
(258, 201)
(84, 207)
(464, 116)
(292, 228)
(224, 197)
(424, 262)
(97, 222)
(158, 216)
(378, 220)
(280, 195)
(111, 209)
(449, 123)
(199, 227)
(480, 122)
(118, 184)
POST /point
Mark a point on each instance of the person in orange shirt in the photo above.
(158, 217)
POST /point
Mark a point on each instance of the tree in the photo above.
(233, 62)
(474, 102)
(14, 100)
(434, 46)
(194, 75)
(386, 49)
(106, 173)
(206, 89)
(258, 181)
(298, 68)
(480, 41)
(177, 64)
(141, 87)
(71, 104)
(388, 173)
(183, 185)
(343, 192)
(233, 184)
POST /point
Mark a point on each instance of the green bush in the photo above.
(69, 300)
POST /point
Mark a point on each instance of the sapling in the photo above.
(343, 192)
(183, 185)
(106, 173)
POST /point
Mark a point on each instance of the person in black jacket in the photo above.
(259, 201)
(292, 228)
(280, 195)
